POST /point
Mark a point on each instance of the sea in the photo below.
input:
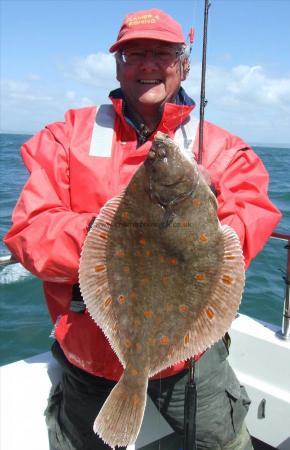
(25, 326)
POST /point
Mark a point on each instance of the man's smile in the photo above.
(149, 81)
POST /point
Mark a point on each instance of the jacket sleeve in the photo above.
(46, 235)
(243, 202)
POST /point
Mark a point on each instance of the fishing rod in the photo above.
(190, 401)
(203, 101)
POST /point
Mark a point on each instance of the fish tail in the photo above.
(119, 421)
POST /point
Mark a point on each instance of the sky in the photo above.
(54, 57)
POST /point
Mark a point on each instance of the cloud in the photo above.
(95, 70)
(12, 86)
(21, 91)
(249, 85)
(244, 99)
(85, 101)
(70, 95)
(33, 77)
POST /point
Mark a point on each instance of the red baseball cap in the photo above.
(149, 24)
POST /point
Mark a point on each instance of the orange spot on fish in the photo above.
(142, 242)
(126, 269)
(186, 339)
(173, 261)
(230, 257)
(162, 259)
(108, 301)
(227, 279)
(164, 340)
(209, 313)
(134, 372)
(196, 202)
(98, 291)
(121, 299)
(203, 238)
(200, 277)
(125, 215)
(103, 235)
(148, 313)
(148, 253)
(100, 268)
(138, 253)
(127, 343)
(183, 309)
(120, 253)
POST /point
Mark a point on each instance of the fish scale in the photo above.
(160, 276)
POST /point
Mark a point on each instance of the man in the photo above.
(75, 168)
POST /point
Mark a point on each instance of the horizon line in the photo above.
(252, 144)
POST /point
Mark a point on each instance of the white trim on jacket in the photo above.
(103, 131)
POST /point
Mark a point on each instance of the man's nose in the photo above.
(149, 60)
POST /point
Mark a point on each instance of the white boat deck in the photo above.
(260, 359)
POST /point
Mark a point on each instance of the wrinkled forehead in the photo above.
(148, 44)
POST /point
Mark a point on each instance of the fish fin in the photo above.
(223, 302)
(119, 421)
(93, 279)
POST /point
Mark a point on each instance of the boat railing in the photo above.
(284, 333)
(5, 260)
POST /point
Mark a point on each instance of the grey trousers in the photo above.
(222, 404)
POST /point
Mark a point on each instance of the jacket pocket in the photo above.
(238, 399)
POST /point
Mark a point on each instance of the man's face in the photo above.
(149, 82)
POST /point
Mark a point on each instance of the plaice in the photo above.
(160, 276)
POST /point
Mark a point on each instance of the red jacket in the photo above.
(76, 166)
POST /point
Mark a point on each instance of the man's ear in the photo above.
(185, 69)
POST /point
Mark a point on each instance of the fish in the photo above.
(160, 276)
